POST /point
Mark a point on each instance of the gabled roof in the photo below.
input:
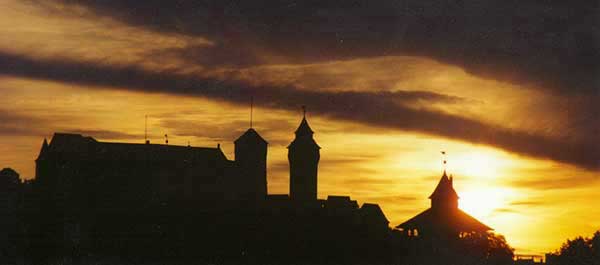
(371, 210)
(250, 136)
(79, 147)
(444, 189)
(43, 150)
(440, 219)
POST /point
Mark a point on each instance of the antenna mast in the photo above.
(146, 129)
(251, 109)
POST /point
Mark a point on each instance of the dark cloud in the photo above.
(553, 44)
(20, 124)
(216, 132)
(103, 134)
(228, 130)
(380, 109)
(505, 210)
(391, 198)
(12, 123)
(568, 182)
(527, 203)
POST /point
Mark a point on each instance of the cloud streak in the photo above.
(381, 109)
(546, 44)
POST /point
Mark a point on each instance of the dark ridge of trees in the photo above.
(577, 251)
(475, 248)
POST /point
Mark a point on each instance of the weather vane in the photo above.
(444, 159)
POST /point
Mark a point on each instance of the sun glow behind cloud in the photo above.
(528, 200)
(395, 169)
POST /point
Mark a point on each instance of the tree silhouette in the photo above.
(577, 251)
(9, 180)
(489, 248)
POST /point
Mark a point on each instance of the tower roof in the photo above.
(250, 136)
(304, 128)
(444, 189)
(304, 136)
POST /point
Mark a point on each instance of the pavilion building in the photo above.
(444, 218)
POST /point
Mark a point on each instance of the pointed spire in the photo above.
(304, 129)
(303, 111)
(445, 188)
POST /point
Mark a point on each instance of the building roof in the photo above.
(371, 210)
(304, 128)
(440, 219)
(43, 149)
(444, 189)
(81, 147)
(334, 201)
(252, 136)
(304, 136)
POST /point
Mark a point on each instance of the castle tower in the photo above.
(444, 196)
(303, 156)
(251, 158)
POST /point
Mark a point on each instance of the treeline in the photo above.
(578, 251)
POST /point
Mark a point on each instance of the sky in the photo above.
(509, 89)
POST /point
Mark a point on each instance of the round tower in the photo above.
(303, 156)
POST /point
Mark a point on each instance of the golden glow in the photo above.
(396, 169)
(481, 164)
(481, 202)
(536, 204)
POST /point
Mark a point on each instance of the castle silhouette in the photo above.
(172, 174)
(152, 201)
(95, 193)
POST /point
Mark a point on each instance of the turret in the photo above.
(444, 196)
(303, 156)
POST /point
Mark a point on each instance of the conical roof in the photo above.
(444, 189)
(304, 128)
(304, 136)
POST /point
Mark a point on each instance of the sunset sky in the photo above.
(510, 89)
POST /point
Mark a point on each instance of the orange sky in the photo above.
(535, 201)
